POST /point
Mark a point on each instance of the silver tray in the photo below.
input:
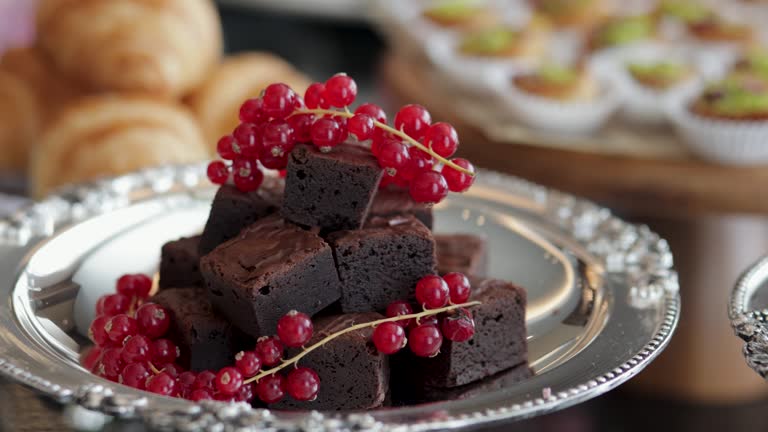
(748, 312)
(603, 297)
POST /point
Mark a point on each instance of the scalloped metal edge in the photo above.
(749, 324)
(635, 252)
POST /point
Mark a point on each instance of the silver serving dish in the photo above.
(748, 311)
(603, 297)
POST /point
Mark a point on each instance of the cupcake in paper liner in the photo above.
(581, 15)
(622, 32)
(727, 122)
(717, 43)
(559, 99)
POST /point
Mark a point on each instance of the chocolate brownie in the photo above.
(180, 263)
(404, 393)
(233, 210)
(270, 268)
(463, 253)
(393, 201)
(353, 374)
(382, 262)
(499, 342)
(330, 190)
(206, 340)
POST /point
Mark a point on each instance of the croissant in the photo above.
(217, 102)
(109, 135)
(19, 122)
(162, 47)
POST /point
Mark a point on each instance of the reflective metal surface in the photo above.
(603, 297)
(748, 312)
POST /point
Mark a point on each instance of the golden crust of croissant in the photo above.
(109, 135)
(217, 102)
(19, 122)
(162, 47)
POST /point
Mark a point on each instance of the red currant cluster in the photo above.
(413, 153)
(425, 336)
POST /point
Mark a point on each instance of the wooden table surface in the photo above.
(677, 186)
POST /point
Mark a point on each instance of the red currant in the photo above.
(302, 127)
(459, 326)
(340, 90)
(221, 397)
(153, 320)
(372, 110)
(389, 338)
(172, 369)
(420, 162)
(248, 140)
(245, 394)
(134, 375)
(198, 395)
(427, 320)
(252, 111)
(278, 134)
(164, 351)
(271, 161)
(204, 381)
(184, 383)
(120, 327)
(218, 172)
(270, 350)
(343, 128)
(393, 156)
(432, 292)
(248, 363)
(278, 101)
(111, 363)
(92, 357)
(97, 331)
(458, 181)
(398, 308)
(303, 384)
(361, 126)
(314, 97)
(247, 175)
(413, 120)
(138, 285)
(162, 384)
(326, 133)
(294, 329)
(425, 340)
(228, 380)
(137, 349)
(442, 139)
(225, 147)
(271, 388)
(458, 286)
(428, 187)
(114, 304)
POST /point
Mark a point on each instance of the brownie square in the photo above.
(499, 342)
(180, 263)
(393, 201)
(382, 262)
(206, 340)
(353, 374)
(330, 190)
(270, 268)
(233, 210)
(463, 253)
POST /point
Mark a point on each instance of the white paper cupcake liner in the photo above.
(729, 142)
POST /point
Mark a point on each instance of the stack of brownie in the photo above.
(326, 242)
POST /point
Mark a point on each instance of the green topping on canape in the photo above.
(489, 42)
(625, 30)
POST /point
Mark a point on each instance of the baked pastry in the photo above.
(162, 47)
(754, 63)
(716, 29)
(562, 83)
(108, 135)
(659, 75)
(621, 31)
(19, 122)
(502, 42)
(464, 14)
(736, 98)
(582, 14)
(217, 101)
(686, 11)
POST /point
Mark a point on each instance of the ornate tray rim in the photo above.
(749, 323)
(630, 251)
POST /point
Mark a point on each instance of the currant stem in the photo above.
(400, 134)
(153, 368)
(295, 359)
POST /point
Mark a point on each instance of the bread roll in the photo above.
(162, 47)
(217, 102)
(19, 122)
(109, 135)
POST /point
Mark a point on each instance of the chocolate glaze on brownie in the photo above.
(270, 268)
(206, 340)
(463, 253)
(499, 342)
(353, 374)
(382, 262)
(233, 210)
(392, 201)
(180, 263)
(331, 190)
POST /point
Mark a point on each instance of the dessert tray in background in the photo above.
(602, 297)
